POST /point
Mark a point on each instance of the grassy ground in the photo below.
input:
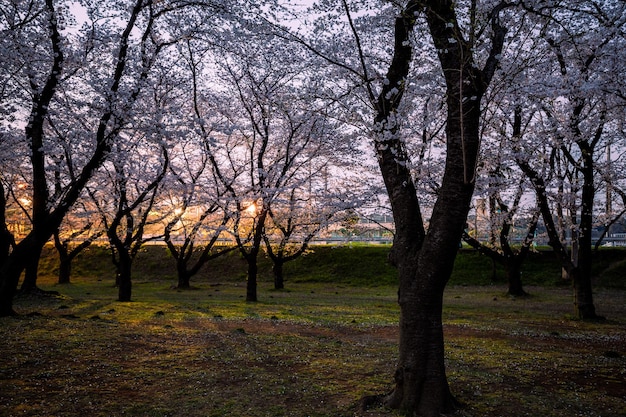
(312, 350)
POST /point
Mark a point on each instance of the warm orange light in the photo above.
(251, 209)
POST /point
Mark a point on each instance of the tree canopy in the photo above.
(263, 122)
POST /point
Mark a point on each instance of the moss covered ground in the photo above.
(313, 349)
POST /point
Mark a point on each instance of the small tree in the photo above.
(503, 252)
(67, 250)
(293, 226)
(275, 130)
(135, 187)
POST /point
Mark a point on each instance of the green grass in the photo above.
(355, 265)
(313, 349)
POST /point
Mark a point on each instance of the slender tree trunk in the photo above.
(252, 256)
(581, 274)
(251, 283)
(65, 261)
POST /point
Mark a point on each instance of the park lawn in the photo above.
(313, 349)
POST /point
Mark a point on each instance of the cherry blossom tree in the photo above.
(126, 203)
(275, 135)
(78, 231)
(39, 74)
(199, 219)
(575, 107)
(467, 41)
(79, 79)
(301, 214)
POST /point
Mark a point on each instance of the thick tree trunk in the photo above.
(420, 378)
(9, 279)
(11, 270)
(421, 383)
(425, 260)
(29, 285)
(184, 277)
(513, 271)
(65, 270)
(6, 241)
(6, 237)
(124, 277)
(277, 269)
(583, 295)
(184, 281)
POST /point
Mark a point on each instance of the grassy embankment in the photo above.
(311, 350)
(358, 265)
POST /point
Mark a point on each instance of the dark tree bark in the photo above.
(513, 271)
(67, 256)
(251, 255)
(185, 272)
(65, 268)
(578, 265)
(45, 219)
(582, 279)
(578, 271)
(124, 275)
(29, 285)
(122, 249)
(277, 270)
(7, 240)
(510, 259)
(511, 262)
(184, 280)
(280, 253)
(186, 268)
(126, 241)
(11, 270)
(22, 257)
(251, 283)
(425, 259)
